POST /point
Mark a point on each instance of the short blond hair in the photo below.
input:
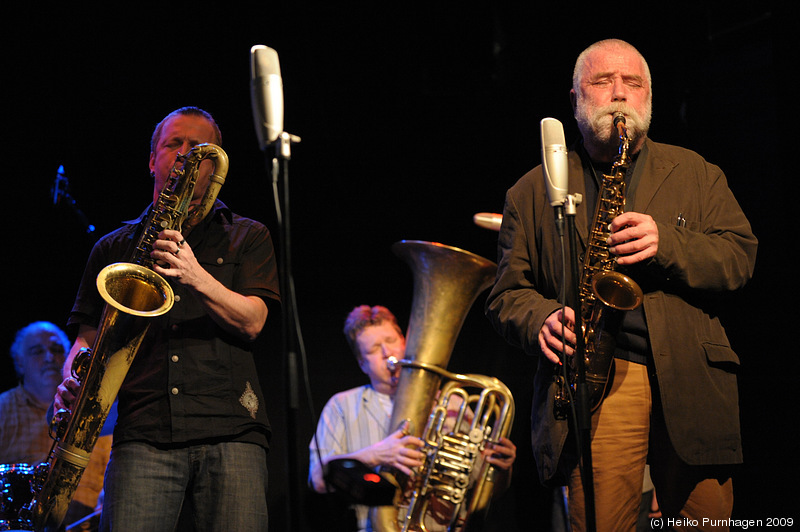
(185, 111)
(364, 316)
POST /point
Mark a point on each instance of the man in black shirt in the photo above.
(191, 429)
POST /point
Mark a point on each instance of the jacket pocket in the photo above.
(721, 356)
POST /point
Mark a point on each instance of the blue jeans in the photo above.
(225, 484)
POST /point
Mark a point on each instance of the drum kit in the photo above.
(16, 492)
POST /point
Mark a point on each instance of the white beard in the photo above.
(597, 125)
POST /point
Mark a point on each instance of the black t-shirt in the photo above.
(191, 381)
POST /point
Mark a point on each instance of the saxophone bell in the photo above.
(616, 290)
(134, 295)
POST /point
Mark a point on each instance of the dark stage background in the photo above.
(412, 119)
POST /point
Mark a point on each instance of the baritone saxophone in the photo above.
(134, 295)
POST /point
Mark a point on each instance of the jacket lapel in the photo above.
(577, 186)
(656, 167)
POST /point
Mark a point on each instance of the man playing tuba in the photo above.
(355, 423)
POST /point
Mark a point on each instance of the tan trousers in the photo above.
(623, 431)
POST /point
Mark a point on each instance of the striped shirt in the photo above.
(350, 421)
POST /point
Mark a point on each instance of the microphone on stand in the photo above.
(554, 160)
(556, 174)
(60, 185)
(266, 98)
(555, 166)
(61, 192)
(266, 94)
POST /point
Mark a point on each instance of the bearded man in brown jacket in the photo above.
(673, 400)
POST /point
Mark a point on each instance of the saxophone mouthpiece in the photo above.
(619, 123)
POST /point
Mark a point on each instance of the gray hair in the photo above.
(17, 352)
(580, 63)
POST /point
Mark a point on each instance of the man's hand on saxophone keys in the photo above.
(634, 238)
(558, 328)
(175, 259)
(66, 393)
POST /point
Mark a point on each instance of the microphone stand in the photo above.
(581, 411)
(279, 168)
(61, 192)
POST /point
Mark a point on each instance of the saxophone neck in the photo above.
(622, 159)
(175, 207)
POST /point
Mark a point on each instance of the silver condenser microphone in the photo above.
(554, 160)
(266, 94)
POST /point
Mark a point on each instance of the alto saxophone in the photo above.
(604, 292)
(134, 295)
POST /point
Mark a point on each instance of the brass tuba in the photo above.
(604, 292)
(134, 295)
(447, 281)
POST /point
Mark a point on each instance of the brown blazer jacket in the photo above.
(696, 263)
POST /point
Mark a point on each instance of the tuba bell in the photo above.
(447, 280)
